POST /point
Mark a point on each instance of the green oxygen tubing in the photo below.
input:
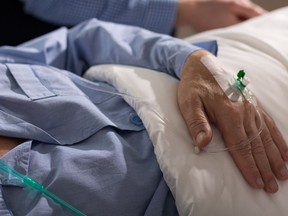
(30, 183)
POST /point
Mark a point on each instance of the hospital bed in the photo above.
(210, 184)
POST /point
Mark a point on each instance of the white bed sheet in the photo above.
(210, 184)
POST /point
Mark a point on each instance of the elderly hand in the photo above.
(200, 98)
(210, 14)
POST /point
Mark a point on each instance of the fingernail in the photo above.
(200, 137)
(260, 182)
(196, 150)
(284, 172)
(273, 186)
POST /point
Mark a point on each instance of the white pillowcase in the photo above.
(210, 184)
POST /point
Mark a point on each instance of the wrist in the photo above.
(193, 61)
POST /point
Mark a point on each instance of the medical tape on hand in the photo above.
(222, 77)
(235, 89)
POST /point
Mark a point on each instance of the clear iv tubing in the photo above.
(246, 93)
(242, 144)
(32, 184)
(239, 86)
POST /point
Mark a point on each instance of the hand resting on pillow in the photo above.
(201, 100)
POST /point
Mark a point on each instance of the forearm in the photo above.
(155, 15)
(97, 42)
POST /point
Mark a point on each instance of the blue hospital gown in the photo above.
(88, 147)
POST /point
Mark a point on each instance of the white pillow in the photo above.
(210, 184)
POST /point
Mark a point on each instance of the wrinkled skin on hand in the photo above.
(202, 101)
(204, 15)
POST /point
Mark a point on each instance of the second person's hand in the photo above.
(204, 15)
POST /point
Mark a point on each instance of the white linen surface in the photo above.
(210, 184)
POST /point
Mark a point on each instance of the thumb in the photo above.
(198, 124)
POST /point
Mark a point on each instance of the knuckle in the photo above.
(258, 149)
(267, 140)
(232, 109)
(234, 115)
(196, 124)
(236, 119)
(250, 110)
(245, 151)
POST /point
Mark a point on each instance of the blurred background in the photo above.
(271, 4)
(18, 27)
(266, 4)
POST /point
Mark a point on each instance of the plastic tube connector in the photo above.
(240, 83)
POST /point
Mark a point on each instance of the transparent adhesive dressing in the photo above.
(235, 89)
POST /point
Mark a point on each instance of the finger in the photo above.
(259, 151)
(234, 134)
(197, 122)
(248, 10)
(277, 164)
(244, 160)
(276, 136)
(274, 155)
